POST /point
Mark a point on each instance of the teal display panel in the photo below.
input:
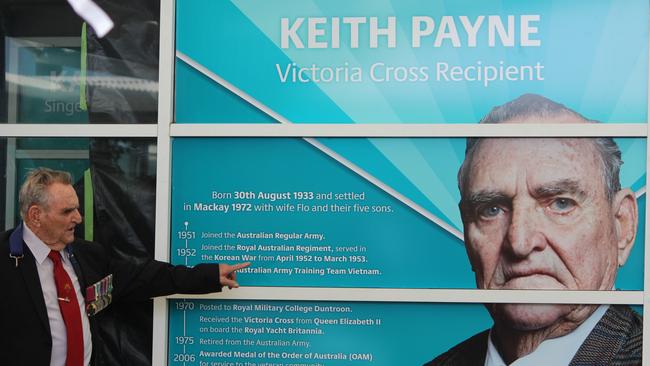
(210, 332)
(366, 61)
(290, 333)
(350, 212)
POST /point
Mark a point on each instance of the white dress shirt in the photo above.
(554, 351)
(46, 275)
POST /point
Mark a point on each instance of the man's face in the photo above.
(56, 221)
(537, 216)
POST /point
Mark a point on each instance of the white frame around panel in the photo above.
(425, 295)
(408, 130)
(166, 74)
(78, 130)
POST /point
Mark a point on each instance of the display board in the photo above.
(283, 333)
(429, 212)
(312, 333)
(304, 218)
(365, 61)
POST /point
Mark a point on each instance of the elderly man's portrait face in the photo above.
(538, 215)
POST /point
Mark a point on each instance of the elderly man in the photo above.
(54, 287)
(547, 213)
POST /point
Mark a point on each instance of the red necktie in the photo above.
(69, 307)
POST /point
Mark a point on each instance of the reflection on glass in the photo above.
(105, 167)
(43, 81)
(53, 80)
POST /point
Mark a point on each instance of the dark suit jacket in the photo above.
(615, 340)
(24, 327)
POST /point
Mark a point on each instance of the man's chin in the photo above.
(528, 317)
(57, 247)
(533, 282)
(61, 244)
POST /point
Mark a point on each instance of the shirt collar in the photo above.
(554, 351)
(39, 249)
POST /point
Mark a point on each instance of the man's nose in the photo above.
(77, 217)
(524, 232)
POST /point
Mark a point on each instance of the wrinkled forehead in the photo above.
(497, 163)
(60, 195)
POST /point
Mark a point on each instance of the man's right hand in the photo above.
(228, 274)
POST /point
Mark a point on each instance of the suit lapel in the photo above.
(77, 270)
(33, 285)
(604, 341)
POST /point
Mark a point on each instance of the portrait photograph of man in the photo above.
(547, 214)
